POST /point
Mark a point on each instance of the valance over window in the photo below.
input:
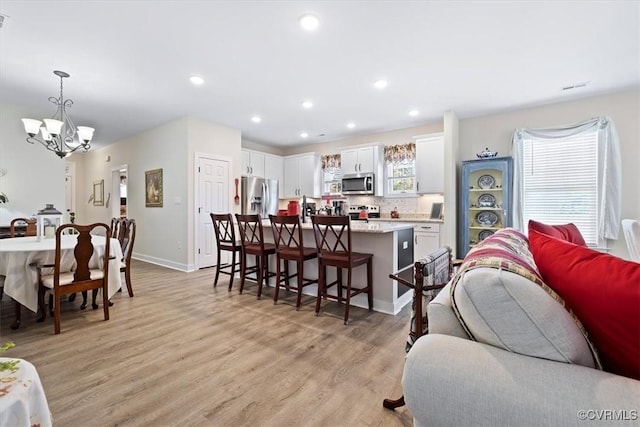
(330, 161)
(400, 153)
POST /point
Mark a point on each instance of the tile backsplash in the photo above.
(407, 207)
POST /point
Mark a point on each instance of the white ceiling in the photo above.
(130, 61)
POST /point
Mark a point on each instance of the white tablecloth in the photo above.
(22, 399)
(21, 281)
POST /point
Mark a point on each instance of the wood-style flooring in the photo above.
(181, 353)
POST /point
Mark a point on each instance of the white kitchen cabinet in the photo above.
(274, 169)
(252, 163)
(426, 239)
(302, 176)
(430, 164)
(360, 160)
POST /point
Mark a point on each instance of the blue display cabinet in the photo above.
(485, 200)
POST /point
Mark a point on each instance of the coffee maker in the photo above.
(339, 207)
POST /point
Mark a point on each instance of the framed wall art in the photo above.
(153, 188)
(98, 193)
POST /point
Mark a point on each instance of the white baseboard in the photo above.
(163, 262)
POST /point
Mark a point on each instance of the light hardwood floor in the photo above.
(183, 354)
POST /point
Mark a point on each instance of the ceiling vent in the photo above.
(575, 86)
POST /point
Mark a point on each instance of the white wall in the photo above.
(495, 131)
(222, 142)
(35, 176)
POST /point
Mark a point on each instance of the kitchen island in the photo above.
(392, 247)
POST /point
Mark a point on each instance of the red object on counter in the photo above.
(293, 208)
(363, 214)
(283, 212)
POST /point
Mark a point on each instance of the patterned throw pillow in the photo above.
(501, 300)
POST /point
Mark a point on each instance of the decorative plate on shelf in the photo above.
(486, 182)
(484, 234)
(487, 201)
(486, 218)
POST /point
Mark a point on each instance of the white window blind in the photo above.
(560, 182)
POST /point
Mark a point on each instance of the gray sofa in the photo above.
(529, 364)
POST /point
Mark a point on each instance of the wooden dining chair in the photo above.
(334, 245)
(127, 237)
(30, 230)
(224, 231)
(287, 234)
(253, 243)
(82, 278)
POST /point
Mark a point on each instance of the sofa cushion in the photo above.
(603, 291)
(508, 311)
(501, 300)
(568, 232)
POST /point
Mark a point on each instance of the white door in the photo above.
(213, 197)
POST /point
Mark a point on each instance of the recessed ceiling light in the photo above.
(307, 104)
(351, 125)
(309, 21)
(304, 135)
(256, 119)
(380, 84)
(414, 113)
(196, 80)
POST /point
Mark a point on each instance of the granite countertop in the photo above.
(364, 227)
(408, 220)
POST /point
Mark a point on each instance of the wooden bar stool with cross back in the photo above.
(334, 244)
(226, 241)
(287, 234)
(253, 243)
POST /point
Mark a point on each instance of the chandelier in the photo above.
(59, 133)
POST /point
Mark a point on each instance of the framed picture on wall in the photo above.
(98, 193)
(153, 188)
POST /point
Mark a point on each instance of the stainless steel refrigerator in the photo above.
(259, 196)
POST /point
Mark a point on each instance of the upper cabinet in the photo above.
(360, 160)
(274, 169)
(430, 164)
(252, 163)
(302, 176)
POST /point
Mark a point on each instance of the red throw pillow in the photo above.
(567, 232)
(604, 293)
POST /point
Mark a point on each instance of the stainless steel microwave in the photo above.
(360, 183)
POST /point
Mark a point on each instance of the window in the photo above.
(401, 177)
(560, 182)
(400, 171)
(569, 174)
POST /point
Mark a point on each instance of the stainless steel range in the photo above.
(372, 211)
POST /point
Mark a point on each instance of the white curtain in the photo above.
(609, 165)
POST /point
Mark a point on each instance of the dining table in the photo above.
(23, 402)
(19, 256)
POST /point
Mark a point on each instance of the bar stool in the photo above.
(287, 234)
(333, 241)
(226, 241)
(253, 244)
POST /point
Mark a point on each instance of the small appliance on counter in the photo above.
(363, 212)
(339, 207)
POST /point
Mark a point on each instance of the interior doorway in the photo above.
(212, 195)
(119, 179)
(70, 188)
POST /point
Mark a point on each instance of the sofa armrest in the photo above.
(453, 381)
(442, 319)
